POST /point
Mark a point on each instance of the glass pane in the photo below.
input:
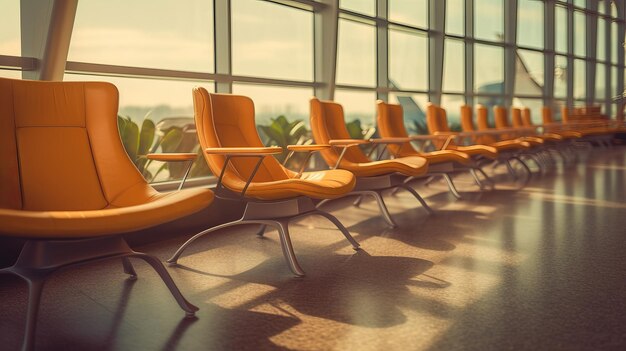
(265, 47)
(530, 23)
(613, 91)
(5, 73)
(455, 17)
(356, 54)
(454, 66)
(10, 42)
(579, 80)
(601, 83)
(408, 60)
(529, 73)
(534, 105)
(616, 45)
(613, 9)
(358, 105)
(579, 34)
(452, 104)
(168, 104)
(601, 49)
(580, 3)
(488, 69)
(411, 12)
(273, 101)
(367, 7)
(414, 110)
(145, 34)
(489, 20)
(560, 76)
(602, 6)
(561, 29)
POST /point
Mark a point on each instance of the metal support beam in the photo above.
(223, 52)
(549, 37)
(382, 51)
(510, 35)
(591, 37)
(469, 53)
(326, 28)
(437, 16)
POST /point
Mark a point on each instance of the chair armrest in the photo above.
(395, 140)
(305, 148)
(347, 142)
(244, 151)
(172, 157)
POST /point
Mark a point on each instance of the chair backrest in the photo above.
(60, 148)
(564, 114)
(467, 120)
(500, 117)
(527, 121)
(327, 123)
(390, 120)
(224, 120)
(482, 122)
(546, 114)
(516, 117)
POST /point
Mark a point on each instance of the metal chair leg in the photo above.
(509, 167)
(261, 230)
(190, 310)
(480, 184)
(358, 201)
(383, 208)
(35, 288)
(526, 168)
(418, 197)
(182, 248)
(129, 269)
(451, 186)
(340, 226)
(285, 243)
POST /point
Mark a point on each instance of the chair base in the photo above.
(39, 259)
(277, 214)
(375, 186)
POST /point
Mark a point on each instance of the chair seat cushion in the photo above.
(443, 156)
(478, 150)
(327, 184)
(409, 166)
(161, 208)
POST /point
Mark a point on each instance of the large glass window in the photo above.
(489, 20)
(560, 30)
(414, 109)
(529, 73)
(5, 73)
(579, 34)
(452, 104)
(579, 79)
(534, 105)
(367, 7)
(601, 48)
(408, 60)
(358, 105)
(454, 66)
(356, 58)
(560, 76)
(530, 24)
(145, 34)
(265, 47)
(601, 83)
(488, 69)
(10, 43)
(455, 17)
(616, 45)
(411, 12)
(273, 101)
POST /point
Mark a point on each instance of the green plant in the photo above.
(282, 132)
(418, 127)
(356, 130)
(138, 142)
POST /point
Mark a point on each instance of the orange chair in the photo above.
(69, 189)
(390, 119)
(508, 150)
(273, 194)
(372, 177)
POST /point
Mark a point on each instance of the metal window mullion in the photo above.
(437, 18)
(382, 51)
(510, 40)
(223, 44)
(326, 27)
(591, 51)
(469, 52)
(549, 25)
(570, 57)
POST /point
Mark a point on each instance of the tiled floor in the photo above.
(543, 267)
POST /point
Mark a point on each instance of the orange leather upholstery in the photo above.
(63, 169)
(526, 121)
(327, 123)
(503, 145)
(227, 121)
(390, 119)
(437, 121)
